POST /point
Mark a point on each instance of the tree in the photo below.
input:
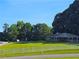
(25, 33)
(24, 30)
(28, 26)
(13, 32)
(5, 32)
(45, 29)
(20, 25)
(40, 31)
(27, 29)
(6, 26)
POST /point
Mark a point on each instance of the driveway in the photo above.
(3, 43)
(44, 56)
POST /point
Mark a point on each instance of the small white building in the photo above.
(18, 40)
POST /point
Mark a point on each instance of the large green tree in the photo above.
(40, 31)
(20, 25)
(26, 31)
(13, 32)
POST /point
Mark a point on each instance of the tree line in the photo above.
(25, 32)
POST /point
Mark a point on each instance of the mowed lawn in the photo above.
(15, 49)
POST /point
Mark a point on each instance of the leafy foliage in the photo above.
(40, 31)
(26, 32)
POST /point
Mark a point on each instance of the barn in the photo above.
(64, 37)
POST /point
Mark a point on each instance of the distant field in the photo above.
(15, 49)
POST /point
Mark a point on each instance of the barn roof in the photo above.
(64, 35)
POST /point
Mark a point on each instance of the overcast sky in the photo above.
(33, 11)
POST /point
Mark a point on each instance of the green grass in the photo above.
(14, 49)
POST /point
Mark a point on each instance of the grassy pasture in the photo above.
(16, 49)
